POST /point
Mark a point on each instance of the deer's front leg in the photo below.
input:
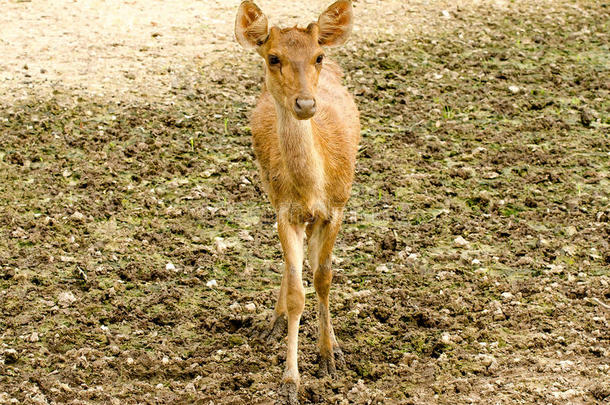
(293, 295)
(321, 242)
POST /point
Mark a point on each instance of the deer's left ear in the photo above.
(250, 25)
(335, 23)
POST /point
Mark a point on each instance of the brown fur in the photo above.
(305, 131)
(336, 130)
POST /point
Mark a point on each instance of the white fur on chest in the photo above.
(303, 164)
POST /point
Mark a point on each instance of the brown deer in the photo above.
(305, 130)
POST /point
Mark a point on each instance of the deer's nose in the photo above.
(305, 107)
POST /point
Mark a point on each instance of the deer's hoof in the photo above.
(276, 330)
(327, 366)
(330, 362)
(339, 357)
(288, 394)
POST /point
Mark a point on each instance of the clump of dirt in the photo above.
(138, 261)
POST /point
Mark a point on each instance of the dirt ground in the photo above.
(138, 256)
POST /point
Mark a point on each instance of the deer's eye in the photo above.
(319, 58)
(274, 60)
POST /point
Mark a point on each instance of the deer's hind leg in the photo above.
(321, 243)
(279, 319)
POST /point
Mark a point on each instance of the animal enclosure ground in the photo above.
(473, 265)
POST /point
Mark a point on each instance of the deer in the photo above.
(305, 134)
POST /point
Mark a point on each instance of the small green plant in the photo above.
(448, 113)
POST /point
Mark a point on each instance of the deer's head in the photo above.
(293, 56)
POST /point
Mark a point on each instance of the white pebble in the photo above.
(170, 266)
(212, 283)
(362, 293)
(250, 307)
(476, 262)
(77, 216)
(66, 299)
(235, 307)
(460, 241)
(507, 296)
(514, 89)
(220, 244)
(382, 268)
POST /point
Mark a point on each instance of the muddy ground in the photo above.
(473, 265)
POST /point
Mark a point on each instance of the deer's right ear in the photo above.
(250, 25)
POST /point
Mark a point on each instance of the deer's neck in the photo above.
(301, 158)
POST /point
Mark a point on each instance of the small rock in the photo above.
(594, 254)
(496, 308)
(412, 258)
(487, 360)
(565, 365)
(250, 307)
(498, 315)
(129, 361)
(33, 337)
(476, 262)
(220, 244)
(337, 260)
(77, 216)
(235, 307)
(446, 338)
(507, 296)
(65, 299)
(159, 386)
(460, 242)
(514, 89)
(569, 250)
(10, 356)
(165, 360)
(170, 267)
(443, 275)
(571, 231)
(446, 14)
(585, 118)
(382, 268)
(212, 283)
(362, 293)
(571, 393)
(245, 235)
